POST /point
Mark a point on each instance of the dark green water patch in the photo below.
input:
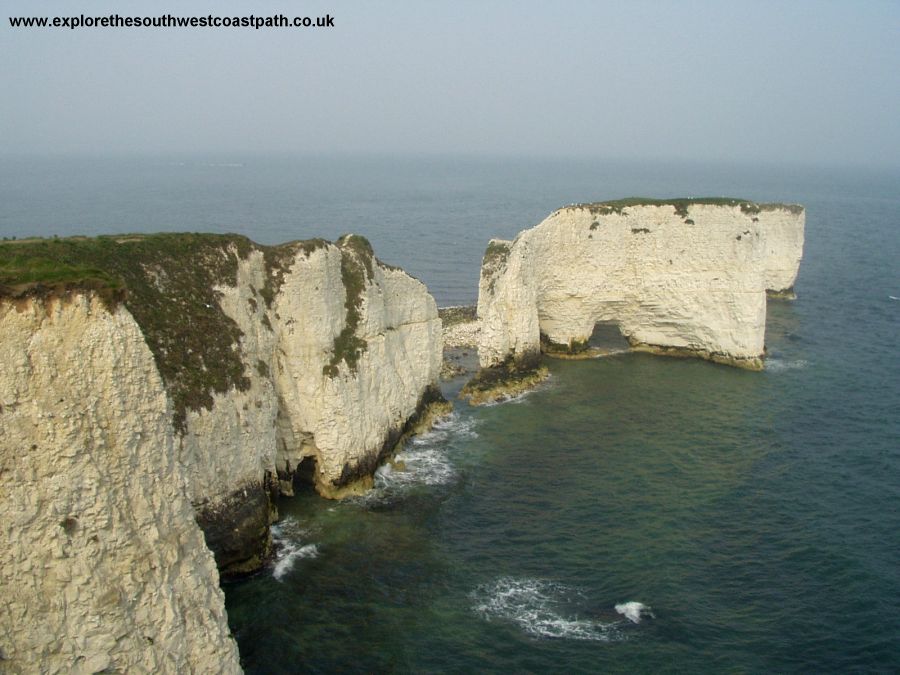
(678, 484)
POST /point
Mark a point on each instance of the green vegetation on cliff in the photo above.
(494, 261)
(22, 272)
(681, 205)
(168, 283)
(356, 271)
(278, 260)
(450, 316)
(496, 253)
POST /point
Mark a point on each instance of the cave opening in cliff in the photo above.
(305, 474)
(607, 336)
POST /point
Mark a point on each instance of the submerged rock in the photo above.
(508, 380)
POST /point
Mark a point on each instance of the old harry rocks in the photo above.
(680, 277)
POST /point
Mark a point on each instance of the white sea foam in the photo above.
(416, 466)
(288, 538)
(448, 428)
(633, 611)
(540, 608)
(781, 365)
(424, 461)
(284, 562)
(613, 352)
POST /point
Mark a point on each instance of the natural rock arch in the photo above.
(683, 277)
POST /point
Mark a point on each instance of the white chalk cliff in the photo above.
(302, 404)
(112, 442)
(686, 277)
(101, 563)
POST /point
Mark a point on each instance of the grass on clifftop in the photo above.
(20, 272)
(167, 282)
(681, 205)
(278, 259)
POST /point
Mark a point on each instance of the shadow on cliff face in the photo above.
(608, 337)
(237, 530)
(305, 474)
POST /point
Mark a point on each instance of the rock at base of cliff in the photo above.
(784, 294)
(506, 381)
(461, 331)
(747, 363)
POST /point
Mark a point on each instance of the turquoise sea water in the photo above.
(755, 516)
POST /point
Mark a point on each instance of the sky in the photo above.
(757, 81)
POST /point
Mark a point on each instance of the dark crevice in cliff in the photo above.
(236, 530)
(608, 336)
(299, 478)
(305, 473)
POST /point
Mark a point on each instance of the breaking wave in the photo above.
(416, 466)
(633, 611)
(446, 429)
(781, 365)
(544, 609)
(288, 536)
(520, 398)
(424, 461)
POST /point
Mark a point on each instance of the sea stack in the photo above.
(685, 277)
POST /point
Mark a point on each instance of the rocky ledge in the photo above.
(461, 331)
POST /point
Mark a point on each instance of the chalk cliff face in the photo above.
(687, 277)
(346, 414)
(193, 397)
(783, 230)
(101, 563)
(343, 361)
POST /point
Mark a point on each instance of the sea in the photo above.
(634, 514)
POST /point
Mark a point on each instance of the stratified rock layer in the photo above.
(687, 277)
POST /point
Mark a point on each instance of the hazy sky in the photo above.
(792, 81)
